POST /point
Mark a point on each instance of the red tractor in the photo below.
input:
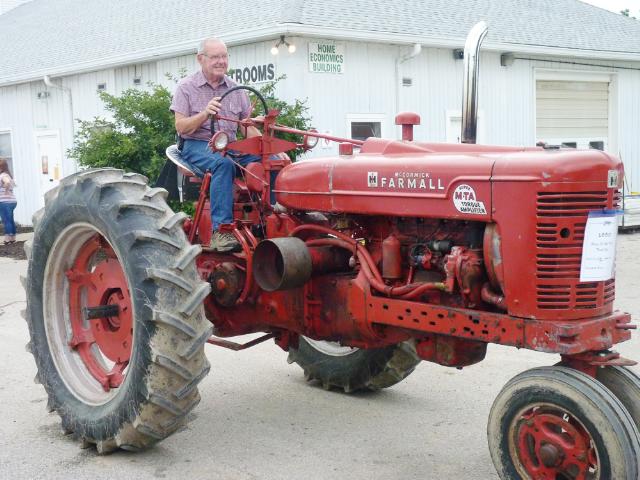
(367, 264)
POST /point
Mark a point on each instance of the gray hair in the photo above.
(204, 41)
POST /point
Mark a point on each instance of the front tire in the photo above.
(353, 369)
(559, 423)
(114, 307)
(625, 385)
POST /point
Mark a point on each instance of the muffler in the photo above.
(470, 82)
(281, 264)
(286, 263)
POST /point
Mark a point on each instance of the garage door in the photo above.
(573, 113)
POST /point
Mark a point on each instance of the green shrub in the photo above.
(142, 127)
(136, 138)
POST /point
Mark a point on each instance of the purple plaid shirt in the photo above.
(194, 92)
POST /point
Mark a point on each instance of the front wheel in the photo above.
(558, 423)
(625, 385)
(114, 307)
(353, 369)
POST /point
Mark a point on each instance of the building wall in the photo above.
(367, 88)
(17, 117)
(6, 5)
(507, 100)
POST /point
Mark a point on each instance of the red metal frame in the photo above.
(448, 300)
(200, 207)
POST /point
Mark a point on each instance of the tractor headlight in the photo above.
(310, 141)
(220, 141)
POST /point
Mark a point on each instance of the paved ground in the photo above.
(258, 419)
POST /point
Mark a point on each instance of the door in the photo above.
(453, 127)
(50, 160)
(573, 113)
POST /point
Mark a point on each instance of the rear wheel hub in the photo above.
(113, 333)
(90, 319)
(100, 312)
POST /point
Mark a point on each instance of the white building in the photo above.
(555, 70)
(6, 5)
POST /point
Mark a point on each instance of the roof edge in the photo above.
(272, 32)
(453, 42)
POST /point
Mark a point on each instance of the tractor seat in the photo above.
(175, 156)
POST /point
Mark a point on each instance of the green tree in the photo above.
(626, 13)
(142, 127)
(294, 115)
(135, 139)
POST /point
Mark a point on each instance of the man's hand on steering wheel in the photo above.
(217, 101)
(213, 107)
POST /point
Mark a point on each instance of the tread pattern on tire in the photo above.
(371, 370)
(625, 385)
(176, 320)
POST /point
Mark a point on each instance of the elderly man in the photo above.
(197, 97)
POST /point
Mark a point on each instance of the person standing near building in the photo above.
(196, 99)
(8, 202)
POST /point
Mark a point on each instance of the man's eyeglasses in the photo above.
(216, 57)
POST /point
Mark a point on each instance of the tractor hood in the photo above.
(429, 180)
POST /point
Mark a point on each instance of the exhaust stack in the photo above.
(470, 85)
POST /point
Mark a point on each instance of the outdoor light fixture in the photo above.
(276, 48)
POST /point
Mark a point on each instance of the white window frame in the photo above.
(581, 143)
(367, 117)
(14, 164)
(550, 74)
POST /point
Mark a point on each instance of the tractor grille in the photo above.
(561, 221)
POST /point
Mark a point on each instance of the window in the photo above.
(597, 143)
(361, 126)
(364, 130)
(5, 149)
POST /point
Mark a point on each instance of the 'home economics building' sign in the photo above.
(326, 58)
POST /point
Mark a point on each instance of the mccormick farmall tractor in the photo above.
(363, 266)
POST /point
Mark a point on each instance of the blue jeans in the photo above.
(6, 214)
(198, 154)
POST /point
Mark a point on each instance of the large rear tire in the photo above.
(353, 369)
(114, 307)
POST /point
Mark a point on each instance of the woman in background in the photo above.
(7, 202)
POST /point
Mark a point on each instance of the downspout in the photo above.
(417, 48)
(50, 84)
(470, 82)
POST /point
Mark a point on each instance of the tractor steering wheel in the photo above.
(239, 87)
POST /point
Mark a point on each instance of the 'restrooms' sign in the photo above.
(326, 58)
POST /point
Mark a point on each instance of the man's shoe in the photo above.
(224, 242)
